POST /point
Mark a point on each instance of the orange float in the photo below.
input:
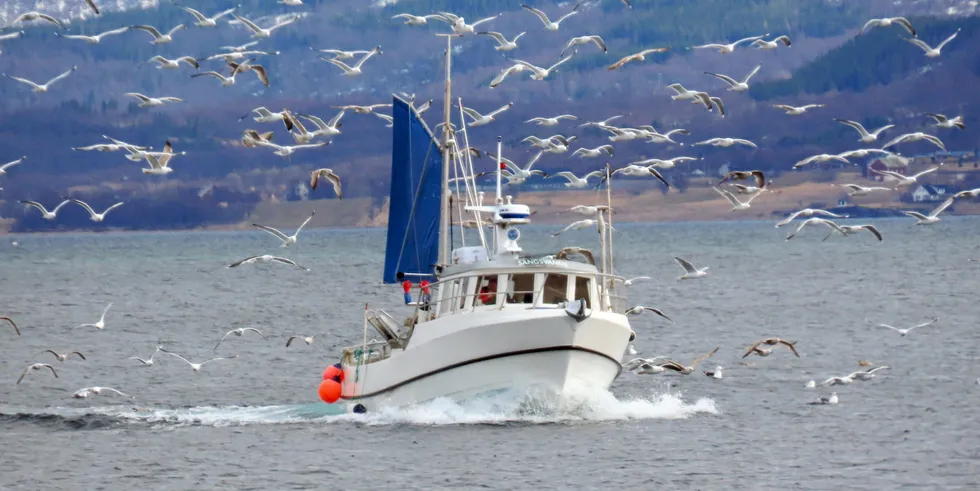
(329, 391)
(333, 372)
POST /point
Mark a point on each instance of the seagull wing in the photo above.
(920, 43)
(658, 312)
(541, 15)
(251, 25)
(305, 222)
(272, 231)
(916, 214)
(338, 63)
(927, 171)
(874, 231)
(729, 196)
(906, 24)
(953, 36)
(291, 338)
(283, 260)
(924, 324)
(893, 328)
(729, 80)
(790, 346)
(63, 75)
(150, 29)
(219, 358)
(257, 331)
(854, 124)
(11, 321)
(686, 265)
(243, 261)
(84, 205)
(229, 333)
(563, 60)
(939, 209)
(703, 357)
(752, 73)
(751, 349)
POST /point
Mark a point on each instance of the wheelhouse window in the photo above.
(520, 288)
(487, 290)
(555, 288)
(583, 285)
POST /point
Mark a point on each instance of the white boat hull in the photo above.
(504, 350)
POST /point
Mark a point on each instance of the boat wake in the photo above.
(496, 409)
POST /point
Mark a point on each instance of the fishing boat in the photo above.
(486, 316)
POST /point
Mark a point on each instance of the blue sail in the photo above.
(416, 187)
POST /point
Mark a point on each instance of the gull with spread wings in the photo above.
(287, 240)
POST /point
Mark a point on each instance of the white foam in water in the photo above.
(499, 408)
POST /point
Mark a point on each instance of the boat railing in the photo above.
(366, 354)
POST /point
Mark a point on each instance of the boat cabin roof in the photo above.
(516, 265)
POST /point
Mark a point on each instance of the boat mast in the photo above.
(444, 208)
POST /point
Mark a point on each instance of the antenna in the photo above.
(500, 165)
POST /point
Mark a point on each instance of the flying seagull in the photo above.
(264, 259)
(904, 332)
(96, 217)
(771, 342)
(690, 272)
(37, 366)
(287, 240)
(42, 88)
(62, 357)
(329, 175)
(101, 324)
(238, 332)
(197, 366)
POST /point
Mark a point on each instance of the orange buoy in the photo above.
(329, 391)
(334, 372)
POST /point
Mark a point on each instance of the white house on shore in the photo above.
(925, 193)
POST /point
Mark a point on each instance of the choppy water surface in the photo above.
(256, 423)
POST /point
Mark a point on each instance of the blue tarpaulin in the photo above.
(413, 212)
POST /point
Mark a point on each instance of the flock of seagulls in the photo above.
(240, 59)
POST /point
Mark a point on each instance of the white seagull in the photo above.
(45, 86)
(197, 366)
(258, 32)
(538, 73)
(682, 94)
(866, 137)
(729, 48)
(45, 214)
(158, 37)
(737, 86)
(96, 217)
(575, 182)
(904, 332)
(589, 222)
(101, 323)
(481, 119)
(339, 54)
(418, 20)
(585, 40)
(225, 81)
(95, 39)
(168, 64)
(203, 20)
(932, 217)
(4, 167)
(763, 44)
(903, 180)
(929, 50)
(736, 204)
(264, 259)
(808, 212)
(353, 71)
(329, 175)
(37, 366)
(846, 230)
(287, 240)
(833, 399)
(866, 375)
(32, 16)
(914, 137)
(887, 22)
(639, 56)
(813, 221)
(238, 332)
(307, 339)
(845, 380)
(287, 150)
(62, 356)
(502, 43)
(499, 79)
(631, 281)
(639, 309)
(726, 142)
(797, 110)
(551, 121)
(94, 391)
(548, 24)
(460, 26)
(943, 122)
(823, 157)
(716, 373)
(690, 272)
(146, 101)
(858, 190)
(148, 361)
(594, 152)
(330, 128)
